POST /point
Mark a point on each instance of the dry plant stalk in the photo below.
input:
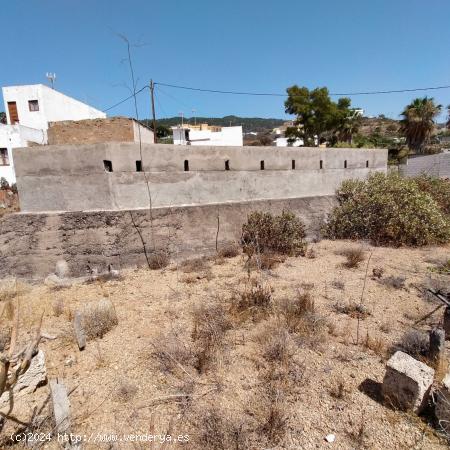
(14, 364)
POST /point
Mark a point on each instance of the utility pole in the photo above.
(152, 94)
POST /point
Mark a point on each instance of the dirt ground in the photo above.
(331, 386)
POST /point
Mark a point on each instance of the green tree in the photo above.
(418, 122)
(3, 117)
(318, 117)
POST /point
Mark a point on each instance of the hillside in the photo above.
(255, 124)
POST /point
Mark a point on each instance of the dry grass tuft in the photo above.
(276, 345)
(158, 260)
(5, 336)
(415, 343)
(229, 250)
(339, 390)
(338, 284)
(172, 350)
(219, 431)
(194, 265)
(254, 301)
(394, 282)
(210, 324)
(377, 345)
(352, 309)
(125, 390)
(58, 307)
(99, 318)
(354, 257)
(265, 261)
(295, 310)
(273, 415)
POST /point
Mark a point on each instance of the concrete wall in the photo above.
(73, 178)
(31, 244)
(437, 165)
(92, 131)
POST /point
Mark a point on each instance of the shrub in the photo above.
(438, 188)
(99, 318)
(229, 250)
(276, 345)
(254, 300)
(282, 234)
(295, 310)
(394, 282)
(388, 210)
(414, 343)
(158, 260)
(354, 256)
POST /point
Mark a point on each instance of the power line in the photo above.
(125, 99)
(268, 94)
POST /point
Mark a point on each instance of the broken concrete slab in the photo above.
(35, 376)
(407, 382)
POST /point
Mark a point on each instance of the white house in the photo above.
(205, 134)
(29, 109)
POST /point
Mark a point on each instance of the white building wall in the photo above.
(283, 142)
(228, 136)
(14, 136)
(53, 106)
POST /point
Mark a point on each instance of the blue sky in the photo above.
(251, 45)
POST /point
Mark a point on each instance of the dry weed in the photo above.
(414, 343)
(394, 282)
(125, 390)
(229, 250)
(254, 301)
(352, 309)
(354, 257)
(58, 307)
(98, 319)
(339, 390)
(210, 324)
(294, 310)
(158, 260)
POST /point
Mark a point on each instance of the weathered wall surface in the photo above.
(68, 178)
(436, 165)
(31, 244)
(93, 131)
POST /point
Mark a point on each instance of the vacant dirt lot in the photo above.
(250, 385)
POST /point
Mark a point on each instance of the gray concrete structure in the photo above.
(437, 165)
(76, 178)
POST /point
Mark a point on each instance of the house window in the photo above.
(261, 165)
(138, 166)
(33, 105)
(227, 165)
(321, 164)
(186, 165)
(293, 164)
(4, 158)
(108, 165)
(345, 164)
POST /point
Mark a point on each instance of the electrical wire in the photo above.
(126, 99)
(268, 94)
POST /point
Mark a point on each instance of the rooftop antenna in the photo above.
(51, 77)
(182, 118)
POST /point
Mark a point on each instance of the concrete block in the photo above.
(407, 382)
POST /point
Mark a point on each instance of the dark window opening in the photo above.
(321, 164)
(138, 166)
(186, 135)
(367, 163)
(108, 165)
(4, 158)
(345, 164)
(293, 164)
(261, 165)
(227, 165)
(33, 105)
(186, 165)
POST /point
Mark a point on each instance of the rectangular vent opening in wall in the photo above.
(293, 164)
(107, 165)
(227, 165)
(345, 164)
(321, 164)
(186, 165)
(367, 163)
(138, 166)
(261, 165)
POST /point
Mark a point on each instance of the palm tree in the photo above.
(418, 122)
